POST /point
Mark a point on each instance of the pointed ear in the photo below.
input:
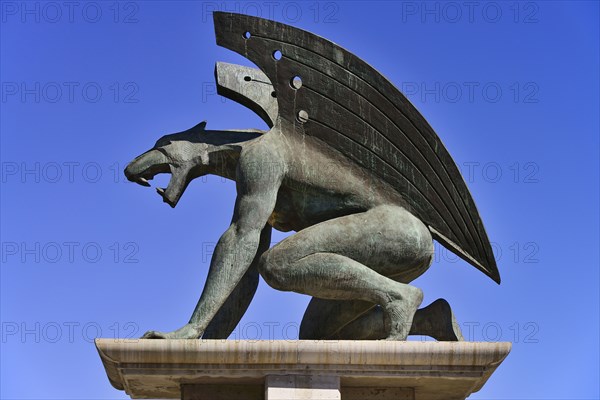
(199, 128)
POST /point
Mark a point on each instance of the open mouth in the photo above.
(146, 166)
(148, 174)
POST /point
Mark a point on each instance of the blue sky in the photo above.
(512, 88)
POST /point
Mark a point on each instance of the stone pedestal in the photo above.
(281, 370)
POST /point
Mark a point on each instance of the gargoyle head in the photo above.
(185, 155)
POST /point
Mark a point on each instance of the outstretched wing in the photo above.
(249, 87)
(327, 92)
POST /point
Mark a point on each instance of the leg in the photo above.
(436, 320)
(346, 259)
(359, 320)
(324, 318)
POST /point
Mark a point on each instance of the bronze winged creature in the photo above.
(349, 165)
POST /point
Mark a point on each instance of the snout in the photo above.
(145, 166)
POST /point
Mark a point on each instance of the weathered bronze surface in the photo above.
(349, 165)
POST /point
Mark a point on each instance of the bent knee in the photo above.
(271, 268)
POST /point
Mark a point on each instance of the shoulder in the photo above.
(265, 156)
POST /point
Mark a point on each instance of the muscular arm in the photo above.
(258, 178)
(257, 186)
(230, 314)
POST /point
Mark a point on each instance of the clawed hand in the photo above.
(188, 331)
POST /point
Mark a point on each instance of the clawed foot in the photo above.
(188, 331)
(441, 322)
(399, 314)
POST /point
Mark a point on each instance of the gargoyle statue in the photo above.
(349, 165)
